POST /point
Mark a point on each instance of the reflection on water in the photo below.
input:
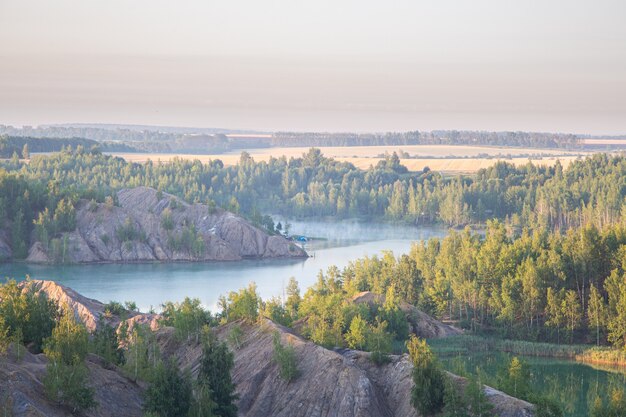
(154, 283)
(574, 385)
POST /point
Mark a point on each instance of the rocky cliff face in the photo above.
(151, 226)
(331, 384)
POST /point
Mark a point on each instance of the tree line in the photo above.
(22, 146)
(589, 191)
(435, 137)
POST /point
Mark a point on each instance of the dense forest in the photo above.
(435, 137)
(589, 191)
(540, 286)
(22, 146)
(556, 256)
(164, 139)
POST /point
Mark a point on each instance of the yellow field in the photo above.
(438, 151)
(435, 164)
(605, 141)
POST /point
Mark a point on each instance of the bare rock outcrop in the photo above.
(88, 310)
(148, 225)
(330, 383)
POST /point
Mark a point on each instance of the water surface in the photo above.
(573, 384)
(151, 284)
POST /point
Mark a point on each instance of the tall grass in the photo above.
(455, 345)
(603, 355)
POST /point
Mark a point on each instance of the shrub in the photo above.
(285, 357)
(235, 335)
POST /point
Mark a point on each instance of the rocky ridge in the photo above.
(330, 383)
(148, 226)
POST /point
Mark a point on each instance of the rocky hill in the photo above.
(330, 383)
(88, 310)
(147, 225)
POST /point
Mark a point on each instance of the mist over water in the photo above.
(152, 284)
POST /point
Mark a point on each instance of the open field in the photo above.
(621, 142)
(437, 164)
(424, 151)
(444, 158)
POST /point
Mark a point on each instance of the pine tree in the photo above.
(105, 343)
(169, 394)
(214, 374)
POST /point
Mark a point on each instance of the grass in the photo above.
(456, 345)
(603, 356)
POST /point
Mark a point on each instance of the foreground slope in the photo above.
(148, 225)
(330, 384)
(22, 392)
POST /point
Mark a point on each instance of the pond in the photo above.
(573, 384)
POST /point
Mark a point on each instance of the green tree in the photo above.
(66, 379)
(427, 394)
(455, 405)
(28, 310)
(104, 343)
(379, 342)
(596, 312)
(515, 379)
(142, 354)
(477, 400)
(167, 222)
(65, 216)
(235, 336)
(572, 311)
(169, 394)
(554, 311)
(357, 334)
(243, 304)
(293, 298)
(187, 317)
(202, 404)
(216, 365)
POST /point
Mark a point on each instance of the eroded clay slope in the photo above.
(135, 231)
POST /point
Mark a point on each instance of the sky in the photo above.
(325, 65)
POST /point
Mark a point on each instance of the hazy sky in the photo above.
(551, 65)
